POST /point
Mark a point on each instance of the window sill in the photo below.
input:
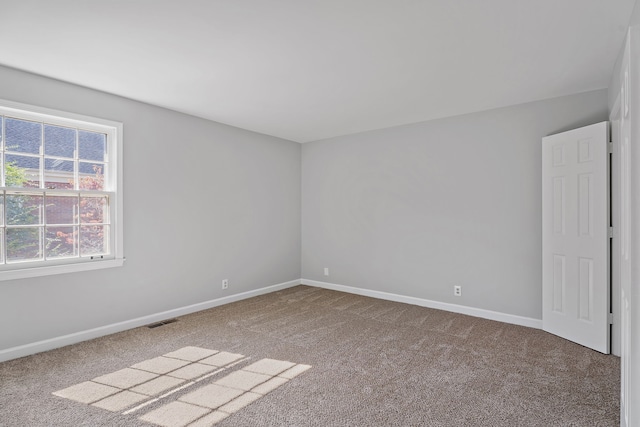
(24, 273)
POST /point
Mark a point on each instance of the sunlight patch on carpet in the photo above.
(228, 394)
(161, 378)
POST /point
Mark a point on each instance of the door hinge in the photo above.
(610, 318)
(610, 233)
(610, 147)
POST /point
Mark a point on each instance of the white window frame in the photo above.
(113, 184)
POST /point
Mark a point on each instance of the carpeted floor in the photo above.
(373, 363)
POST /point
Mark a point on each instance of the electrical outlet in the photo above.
(326, 271)
(457, 291)
(225, 283)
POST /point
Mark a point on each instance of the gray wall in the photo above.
(411, 210)
(417, 209)
(203, 202)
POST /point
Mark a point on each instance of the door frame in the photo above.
(615, 207)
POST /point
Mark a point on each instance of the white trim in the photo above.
(455, 308)
(52, 343)
(116, 154)
(46, 270)
(53, 116)
(615, 212)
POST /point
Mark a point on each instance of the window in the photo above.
(60, 192)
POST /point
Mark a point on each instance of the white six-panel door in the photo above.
(575, 225)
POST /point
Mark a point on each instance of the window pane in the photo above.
(23, 209)
(59, 141)
(1, 209)
(61, 242)
(23, 136)
(92, 145)
(94, 210)
(58, 173)
(22, 171)
(61, 209)
(91, 176)
(94, 239)
(24, 244)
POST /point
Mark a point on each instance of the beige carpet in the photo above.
(312, 357)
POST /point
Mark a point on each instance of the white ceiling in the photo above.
(312, 69)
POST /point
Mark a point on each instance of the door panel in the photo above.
(575, 246)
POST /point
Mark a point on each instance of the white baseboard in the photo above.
(50, 344)
(455, 308)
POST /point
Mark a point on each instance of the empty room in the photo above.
(319, 213)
